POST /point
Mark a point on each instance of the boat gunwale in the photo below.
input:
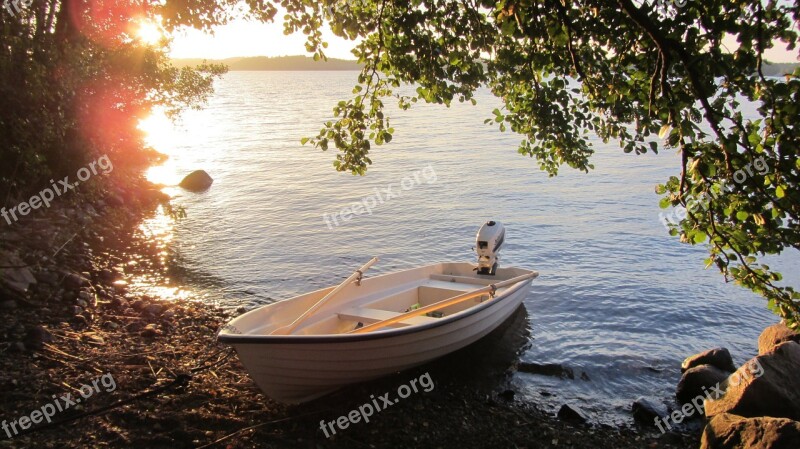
(235, 339)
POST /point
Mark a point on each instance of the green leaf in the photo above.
(779, 192)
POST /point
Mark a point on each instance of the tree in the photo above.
(76, 79)
(644, 73)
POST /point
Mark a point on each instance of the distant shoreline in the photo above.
(279, 63)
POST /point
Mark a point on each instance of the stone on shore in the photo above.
(15, 274)
(717, 357)
(696, 381)
(571, 414)
(775, 335)
(727, 431)
(197, 181)
(767, 385)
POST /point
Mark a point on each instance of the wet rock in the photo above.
(774, 335)
(107, 274)
(507, 395)
(696, 381)
(197, 181)
(546, 369)
(727, 431)
(571, 414)
(138, 305)
(82, 303)
(120, 286)
(119, 302)
(717, 357)
(767, 385)
(645, 411)
(37, 337)
(585, 377)
(18, 346)
(8, 304)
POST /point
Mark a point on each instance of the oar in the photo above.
(285, 330)
(444, 303)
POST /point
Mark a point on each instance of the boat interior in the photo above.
(436, 288)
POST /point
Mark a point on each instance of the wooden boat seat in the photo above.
(369, 316)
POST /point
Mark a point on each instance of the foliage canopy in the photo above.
(643, 73)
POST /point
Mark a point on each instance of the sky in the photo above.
(247, 38)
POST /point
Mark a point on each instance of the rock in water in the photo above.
(197, 181)
(645, 411)
(728, 431)
(696, 381)
(717, 357)
(767, 385)
(546, 369)
(775, 335)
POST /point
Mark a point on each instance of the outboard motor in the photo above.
(488, 243)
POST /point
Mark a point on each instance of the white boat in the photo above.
(305, 347)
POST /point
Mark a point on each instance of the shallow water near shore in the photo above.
(617, 298)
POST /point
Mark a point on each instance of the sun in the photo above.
(149, 32)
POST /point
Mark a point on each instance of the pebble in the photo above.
(74, 281)
(154, 309)
(150, 331)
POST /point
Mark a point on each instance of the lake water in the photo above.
(617, 297)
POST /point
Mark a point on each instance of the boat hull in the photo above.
(300, 368)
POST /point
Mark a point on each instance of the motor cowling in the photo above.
(487, 244)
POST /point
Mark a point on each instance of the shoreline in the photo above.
(79, 322)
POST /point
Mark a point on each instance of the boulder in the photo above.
(767, 385)
(726, 431)
(197, 181)
(775, 335)
(717, 357)
(697, 381)
(645, 411)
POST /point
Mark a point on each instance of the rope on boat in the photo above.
(181, 380)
